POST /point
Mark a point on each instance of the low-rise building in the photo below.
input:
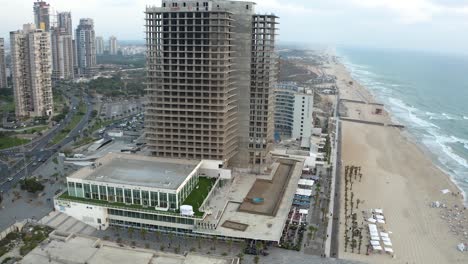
(132, 190)
(181, 196)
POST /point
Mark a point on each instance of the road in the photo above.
(38, 150)
(334, 245)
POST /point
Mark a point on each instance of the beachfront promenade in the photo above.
(331, 244)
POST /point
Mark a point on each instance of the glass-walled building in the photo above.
(139, 191)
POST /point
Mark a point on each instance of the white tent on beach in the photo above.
(375, 243)
(378, 211)
(389, 250)
(388, 243)
(377, 247)
(371, 220)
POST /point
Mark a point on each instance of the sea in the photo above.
(427, 92)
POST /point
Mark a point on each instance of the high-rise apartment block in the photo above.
(62, 48)
(211, 67)
(32, 70)
(85, 42)
(99, 45)
(41, 15)
(3, 78)
(113, 46)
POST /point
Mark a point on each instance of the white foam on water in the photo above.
(408, 113)
(419, 124)
(444, 142)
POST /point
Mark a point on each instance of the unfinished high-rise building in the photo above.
(62, 48)
(32, 71)
(3, 77)
(211, 67)
(41, 15)
(85, 42)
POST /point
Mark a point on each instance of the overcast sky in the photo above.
(411, 24)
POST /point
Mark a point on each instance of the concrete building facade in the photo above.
(210, 69)
(284, 107)
(41, 15)
(3, 76)
(303, 114)
(32, 71)
(293, 110)
(99, 45)
(113, 45)
(85, 42)
(62, 48)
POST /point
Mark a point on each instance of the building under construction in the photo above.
(211, 67)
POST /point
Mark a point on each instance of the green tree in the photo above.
(256, 259)
(31, 185)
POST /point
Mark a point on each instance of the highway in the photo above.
(38, 150)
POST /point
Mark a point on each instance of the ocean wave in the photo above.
(465, 117)
(443, 116)
(404, 111)
(449, 151)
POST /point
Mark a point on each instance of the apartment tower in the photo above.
(62, 48)
(32, 71)
(99, 45)
(41, 15)
(85, 42)
(3, 78)
(113, 46)
(210, 71)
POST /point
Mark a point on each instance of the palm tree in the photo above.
(215, 239)
(199, 242)
(240, 256)
(256, 259)
(170, 237)
(259, 246)
(230, 244)
(158, 235)
(130, 232)
(143, 233)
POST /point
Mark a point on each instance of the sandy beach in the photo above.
(400, 178)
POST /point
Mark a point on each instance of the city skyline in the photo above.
(437, 22)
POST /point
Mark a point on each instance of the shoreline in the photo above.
(400, 176)
(406, 133)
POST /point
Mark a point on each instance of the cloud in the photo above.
(416, 11)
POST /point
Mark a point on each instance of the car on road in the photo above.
(9, 179)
